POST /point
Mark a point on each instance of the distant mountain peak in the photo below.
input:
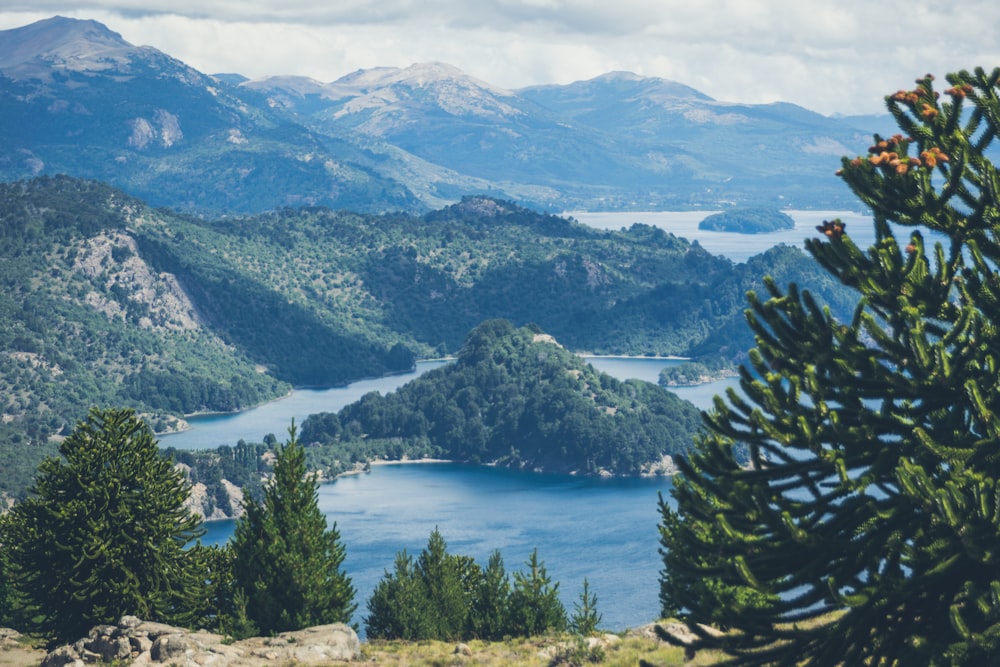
(417, 75)
(61, 42)
(618, 75)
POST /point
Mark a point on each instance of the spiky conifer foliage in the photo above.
(287, 563)
(535, 607)
(864, 525)
(104, 533)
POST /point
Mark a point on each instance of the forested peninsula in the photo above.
(109, 302)
(515, 397)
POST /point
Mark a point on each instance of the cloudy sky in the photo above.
(831, 57)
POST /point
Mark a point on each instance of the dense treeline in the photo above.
(692, 373)
(518, 398)
(107, 302)
(444, 596)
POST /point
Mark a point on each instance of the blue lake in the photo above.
(601, 529)
(737, 247)
(210, 431)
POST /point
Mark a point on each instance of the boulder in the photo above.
(136, 643)
(61, 657)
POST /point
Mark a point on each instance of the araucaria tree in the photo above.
(287, 566)
(845, 509)
(104, 533)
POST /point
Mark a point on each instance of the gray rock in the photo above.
(141, 643)
(129, 622)
(62, 656)
(169, 647)
(9, 634)
(138, 643)
(110, 648)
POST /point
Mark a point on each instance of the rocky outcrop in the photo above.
(140, 643)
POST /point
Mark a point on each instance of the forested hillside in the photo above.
(515, 397)
(109, 302)
(84, 321)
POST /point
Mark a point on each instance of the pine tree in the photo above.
(585, 618)
(104, 533)
(287, 563)
(427, 599)
(398, 607)
(845, 508)
(489, 616)
(535, 607)
(442, 576)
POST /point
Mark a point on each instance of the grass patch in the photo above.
(622, 650)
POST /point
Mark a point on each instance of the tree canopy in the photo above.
(864, 527)
(516, 397)
(748, 221)
(445, 596)
(104, 532)
(287, 563)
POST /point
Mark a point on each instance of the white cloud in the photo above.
(830, 57)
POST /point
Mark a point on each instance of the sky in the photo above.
(839, 57)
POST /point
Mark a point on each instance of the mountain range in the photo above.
(76, 98)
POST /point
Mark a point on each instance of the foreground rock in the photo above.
(138, 643)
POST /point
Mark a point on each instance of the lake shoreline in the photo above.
(184, 426)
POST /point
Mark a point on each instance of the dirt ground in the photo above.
(13, 654)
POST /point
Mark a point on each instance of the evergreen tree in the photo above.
(429, 599)
(863, 525)
(535, 607)
(104, 533)
(489, 616)
(398, 607)
(442, 576)
(287, 563)
(585, 618)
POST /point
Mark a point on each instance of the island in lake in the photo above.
(747, 221)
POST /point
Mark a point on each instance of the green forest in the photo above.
(517, 398)
(106, 301)
(841, 508)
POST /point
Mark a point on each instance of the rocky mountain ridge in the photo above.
(76, 98)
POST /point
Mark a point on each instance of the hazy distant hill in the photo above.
(76, 98)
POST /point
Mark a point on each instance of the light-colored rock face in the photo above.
(199, 503)
(139, 643)
(115, 257)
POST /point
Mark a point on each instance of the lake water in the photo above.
(601, 529)
(210, 431)
(737, 247)
(604, 530)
